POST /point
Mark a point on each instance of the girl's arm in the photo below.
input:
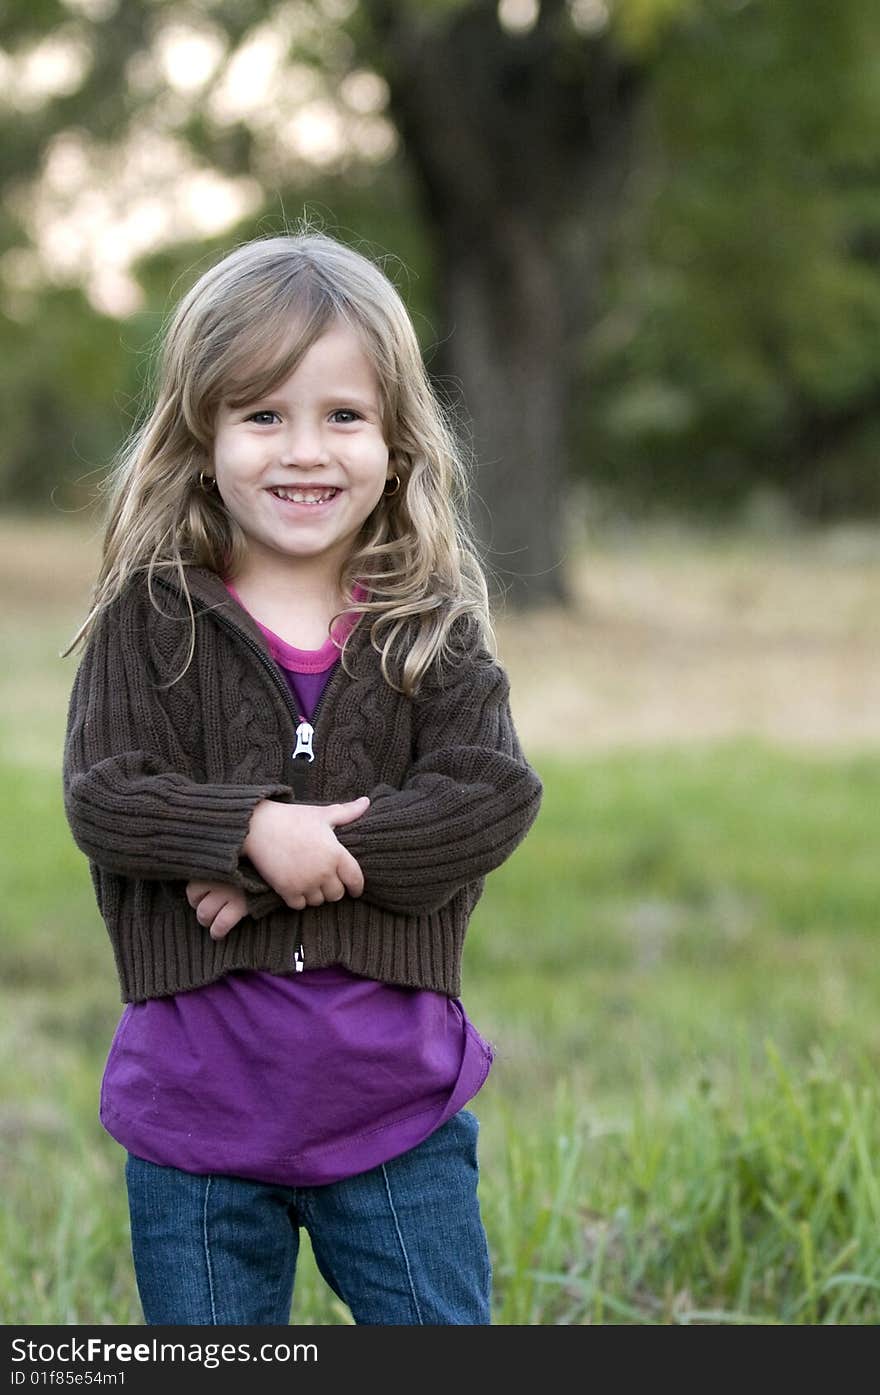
(470, 797)
(131, 816)
(130, 809)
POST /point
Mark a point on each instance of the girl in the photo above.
(290, 761)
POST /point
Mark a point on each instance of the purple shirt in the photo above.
(298, 1080)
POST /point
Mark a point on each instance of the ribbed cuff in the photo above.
(180, 829)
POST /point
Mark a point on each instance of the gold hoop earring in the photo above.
(211, 485)
(390, 493)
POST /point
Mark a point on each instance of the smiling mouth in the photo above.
(305, 496)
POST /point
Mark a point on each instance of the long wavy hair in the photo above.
(239, 332)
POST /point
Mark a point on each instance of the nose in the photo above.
(303, 444)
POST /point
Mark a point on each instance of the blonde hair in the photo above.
(239, 332)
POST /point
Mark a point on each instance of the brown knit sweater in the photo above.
(160, 784)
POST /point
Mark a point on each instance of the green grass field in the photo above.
(680, 975)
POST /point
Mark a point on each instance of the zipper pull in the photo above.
(299, 959)
(305, 733)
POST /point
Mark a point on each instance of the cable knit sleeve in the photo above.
(131, 797)
(470, 797)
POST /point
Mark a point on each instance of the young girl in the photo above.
(290, 761)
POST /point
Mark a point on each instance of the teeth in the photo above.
(304, 496)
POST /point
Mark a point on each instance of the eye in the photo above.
(260, 418)
(346, 412)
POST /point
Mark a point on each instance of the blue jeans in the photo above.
(402, 1244)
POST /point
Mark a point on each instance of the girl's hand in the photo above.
(217, 905)
(294, 848)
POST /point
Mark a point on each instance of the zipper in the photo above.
(303, 752)
(305, 731)
(305, 735)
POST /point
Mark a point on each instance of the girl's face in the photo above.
(303, 467)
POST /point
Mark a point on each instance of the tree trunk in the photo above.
(520, 144)
(506, 346)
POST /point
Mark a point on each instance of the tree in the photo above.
(520, 139)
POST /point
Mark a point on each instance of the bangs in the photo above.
(264, 353)
(254, 333)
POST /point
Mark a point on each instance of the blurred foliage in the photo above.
(737, 340)
(75, 381)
